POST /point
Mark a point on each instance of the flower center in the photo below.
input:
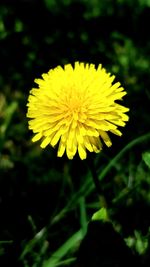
(75, 105)
(75, 108)
(78, 111)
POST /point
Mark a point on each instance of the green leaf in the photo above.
(146, 158)
(100, 215)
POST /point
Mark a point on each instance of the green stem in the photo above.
(102, 198)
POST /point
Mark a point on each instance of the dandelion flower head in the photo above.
(75, 107)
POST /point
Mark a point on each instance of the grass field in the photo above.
(46, 202)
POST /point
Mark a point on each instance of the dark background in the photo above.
(35, 185)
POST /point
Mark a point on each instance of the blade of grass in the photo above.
(32, 243)
(10, 110)
(83, 215)
(8, 116)
(65, 262)
(112, 163)
(53, 261)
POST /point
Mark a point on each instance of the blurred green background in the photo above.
(45, 200)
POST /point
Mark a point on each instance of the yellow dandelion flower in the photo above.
(76, 108)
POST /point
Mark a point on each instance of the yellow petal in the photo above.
(105, 138)
(37, 137)
(82, 151)
(88, 144)
(45, 142)
(61, 149)
(116, 131)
